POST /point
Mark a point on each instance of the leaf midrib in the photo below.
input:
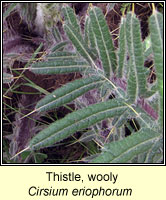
(108, 57)
(68, 94)
(132, 148)
(52, 135)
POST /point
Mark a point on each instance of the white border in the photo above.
(1, 164)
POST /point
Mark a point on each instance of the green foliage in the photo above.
(76, 121)
(123, 151)
(79, 43)
(59, 67)
(59, 46)
(122, 47)
(71, 18)
(156, 28)
(135, 48)
(36, 156)
(99, 79)
(104, 45)
(68, 93)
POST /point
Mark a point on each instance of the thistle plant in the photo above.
(105, 71)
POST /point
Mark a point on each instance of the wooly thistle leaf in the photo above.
(124, 102)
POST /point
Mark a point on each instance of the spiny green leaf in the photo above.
(122, 48)
(79, 43)
(135, 48)
(68, 93)
(59, 67)
(138, 57)
(121, 120)
(89, 36)
(56, 34)
(156, 30)
(86, 30)
(156, 149)
(87, 136)
(124, 150)
(159, 21)
(76, 121)
(104, 42)
(59, 46)
(129, 32)
(74, 33)
(71, 18)
(62, 55)
(144, 119)
(132, 87)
